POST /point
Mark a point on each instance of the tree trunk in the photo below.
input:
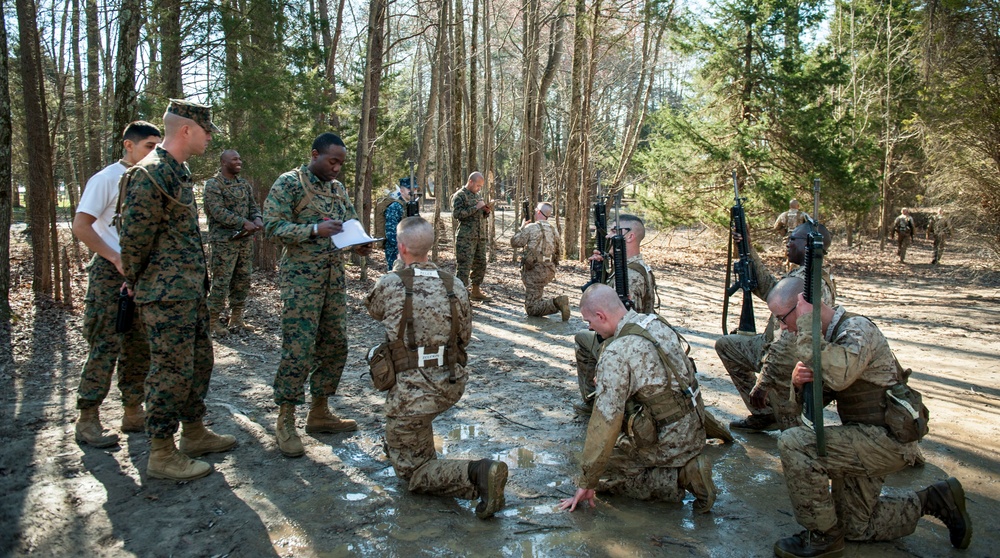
(427, 139)
(331, 63)
(129, 24)
(489, 163)
(79, 115)
(6, 187)
(473, 112)
(574, 201)
(457, 75)
(170, 49)
(94, 148)
(38, 149)
(368, 132)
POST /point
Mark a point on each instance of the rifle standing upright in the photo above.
(413, 206)
(620, 258)
(812, 392)
(746, 279)
(599, 268)
(526, 213)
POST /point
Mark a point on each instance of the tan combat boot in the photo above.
(165, 462)
(90, 432)
(322, 421)
(489, 478)
(236, 320)
(215, 327)
(197, 440)
(562, 303)
(476, 294)
(945, 500)
(134, 419)
(288, 439)
(696, 477)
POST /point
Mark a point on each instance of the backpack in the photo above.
(379, 228)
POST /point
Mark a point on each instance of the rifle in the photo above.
(526, 213)
(413, 206)
(813, 391)
(619, 258)
(746, 279)
(599, 268)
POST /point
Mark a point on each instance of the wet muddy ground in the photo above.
(342, 499)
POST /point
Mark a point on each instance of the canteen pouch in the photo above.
(126, 312)
(639, 425)
(381, 368)
(906, 416)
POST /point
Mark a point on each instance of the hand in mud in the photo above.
(801, 375)
(582, 495)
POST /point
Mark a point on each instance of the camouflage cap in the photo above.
(404, 182)
(202, 114)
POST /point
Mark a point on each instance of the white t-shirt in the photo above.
(99, 199)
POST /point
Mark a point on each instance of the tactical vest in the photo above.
(404, 352)
(536, 255)
(861, 402)
(666, 406)
(650, 302)
(380, 208)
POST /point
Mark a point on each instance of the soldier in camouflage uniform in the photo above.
(232, 210)
(469, 209)
(642, 291)
(633, 371)
(761, 365)
(540, 241)
(789, 220)
(105, 276)
(838, 496)
(304, 208)
(164, 263)
(441, 325)
(940, 228)
(904, 228)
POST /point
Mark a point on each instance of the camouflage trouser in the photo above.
(626, 477)
(902, 244)
(181, 361)
(938, 247)
(845, 486)
(411, 451)
(587, 345)
(232, 264)
(107, 347)
(535, 278)
(313, 339)
(743, 357)
(470, 253)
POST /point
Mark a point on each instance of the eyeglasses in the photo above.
(624, 230)
(782, 318)
(798, 238)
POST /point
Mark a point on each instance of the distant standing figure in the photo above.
(105, 276)
(231, 210)
(540, 241)
(469, 209)
(392, 213)
(940, 228)
(787, 221)
(428, 324)
(903, 227)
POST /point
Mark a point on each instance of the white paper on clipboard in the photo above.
(353, 234)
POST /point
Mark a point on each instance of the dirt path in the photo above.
(341, 499)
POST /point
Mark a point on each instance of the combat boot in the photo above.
(755, 423)
(215, 327)
(715, 429)
(696, 478)
(812, 544)
(236, 320)
(562, 303)
(945, 500)
(288, 439)
(489, 477)
(477, 294)
(321, 421)
(165, 462)
(197, 440)
(134, 419)
(90, 431)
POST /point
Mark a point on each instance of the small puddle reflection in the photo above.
(354, 497)
(465, 432)
(524, 458)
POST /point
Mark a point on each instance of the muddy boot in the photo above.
(322, 421)
(89, 430)
(197, 440)
(165, 462)
(812, 544)
(562, 303)
(288, 439)
(696, 478)
(134, 419)
(755, 423)
(236, 320)
(945, 500)
(715, 429)
(489, 478)
(476, 294)
(215, 327)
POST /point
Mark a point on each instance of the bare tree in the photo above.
(94, 150)
(129, 24)
(6, 184)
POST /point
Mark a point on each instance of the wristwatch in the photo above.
(315, 229)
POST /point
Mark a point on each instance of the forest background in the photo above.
(889, 103)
